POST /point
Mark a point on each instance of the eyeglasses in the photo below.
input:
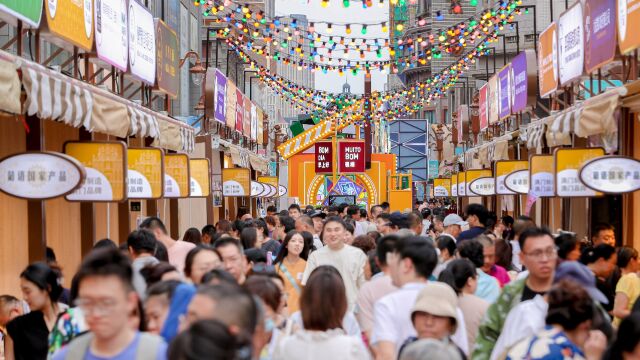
(550, 253)
(99, 308)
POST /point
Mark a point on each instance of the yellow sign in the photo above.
(567, 171)
(145, 173)
(176, 176)
(200, 177)
(454, 185)
(462, 184)
(106, 167)
(475, 174)
(236, 182)
(504, 168)
(441, 187)
(71, 20)
(541, 175)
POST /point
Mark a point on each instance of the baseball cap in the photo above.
(317, 213)
(439, 299)
(579, 273)
(399, 220)
(453, 219)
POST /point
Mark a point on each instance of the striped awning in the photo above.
(142, 123)
(188, 139)
(9, 88)
(560, 126)
(534, 134)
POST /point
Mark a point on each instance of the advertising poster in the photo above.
(71, 21)
(167, 59)
(220, 106)
(548, 61)
(541, 175)
(504, 168)
(351, 157)
(176, 176)
(112, 35)
(571, 44)
(232, 101)
(524, 84)
(612, 174)
(599, 33)
(482, 186)
(200, 177)
(504, 92)
(254, 122)
(441, 187)
(628, 20)
(239, 111)
(29, 11)
(105, 164)
(482, 107)
(454, 185)
(142, 44)
(492, 100)
(236, 182)
(567, 166)
(472, 175)
(145, 173)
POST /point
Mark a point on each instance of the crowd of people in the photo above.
(335, 283)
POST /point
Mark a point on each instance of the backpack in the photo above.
(147, 347)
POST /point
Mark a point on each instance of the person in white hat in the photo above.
(452, 226)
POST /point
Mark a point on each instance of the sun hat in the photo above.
(439, 299)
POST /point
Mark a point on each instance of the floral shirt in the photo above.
(70, 324)
(549, 344)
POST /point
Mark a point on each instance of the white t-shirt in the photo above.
(349, 323)
(524, 320)
(320, 345)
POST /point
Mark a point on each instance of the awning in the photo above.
(534, 134)
(632, 98)
(598, 115)
(109, 117)
(9, 88)
(142, 123)
(483, 157)
(498, 150)
(259, 164)
(559, 127)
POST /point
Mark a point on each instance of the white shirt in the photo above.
(317, 242)
(515, 258)
(321, 345)
(524, 320)
(349, 323)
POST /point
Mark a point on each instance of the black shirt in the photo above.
(608, 291)
(30, 336)
(528, 294)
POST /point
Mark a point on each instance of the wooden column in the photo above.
(87, 216)
(37, 235)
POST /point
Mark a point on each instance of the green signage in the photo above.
(29, 11)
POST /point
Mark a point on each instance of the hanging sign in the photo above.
(236, 182)
(628, 20)
(524, 85)
(473, 174)
(548, 60)
(28, 11)
(254, 122)
(282, 190)
(40, 175)
(106, 166)
(270, 191)
(441, 187)
(239, 111)
(351, 157)
(269, 180)
(200, 177)
(492, 102)
(324, 157)
(484, 186)
(541, 175)
(220, 107)
(112, 35)
(71, 23)
(167, 59)
(567, 165)
(145, 173)
(142, 43)
(176, 176)
(518, 181)
(571, 44)
(462, 184)
(482, 107)
(599, 33)
(257, 189)
(504, 168)
(232, 101)
(454, 185)
(246, 119)
(611, 174)
(504, 92)
(260, 126)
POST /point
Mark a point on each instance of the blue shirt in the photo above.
(488, 287)
(548, 344)
(470, 234)
(128, 353)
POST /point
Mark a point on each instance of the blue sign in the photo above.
(433, 169)
(599, 86)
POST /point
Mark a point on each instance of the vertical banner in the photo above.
(462, 183)
(176, 176)
(454, 185)
(232, 101)
(220, 97)
(541, 175)
(145, 172)
(351, 157)
(492, 102)
(441, 187)
(548, 61)
(200, 177)
(599, 33)
(167, 79)
(567, 171)
(112, 37)
(260, 124)
(142, 44)
(324, 157)
(504, 92)
(571, 44)
(628, 20)
(433, 169)
(239, 111)
(524, 86)
(246, 119)
(236, 182)
(502, 169)
(482, 107)
(463, 114)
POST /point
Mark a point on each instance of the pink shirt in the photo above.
(178, 253)
(501, 274)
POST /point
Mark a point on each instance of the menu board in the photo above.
(541, 175)
(105, 164)
(567, 165)
(504, 168)
(112, 35)
(236, 182)
(167, 60)
(145, 173)
(200, 177)
(142, 43)
(176, 176)
(548, 61)
(71, 23)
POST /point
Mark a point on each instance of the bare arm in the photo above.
(8, 348)
(385, 350)
(621, 306)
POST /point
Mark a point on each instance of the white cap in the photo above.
(453, 219)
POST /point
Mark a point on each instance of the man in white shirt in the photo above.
(348, 260)
(410, 265)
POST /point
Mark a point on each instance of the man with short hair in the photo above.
(603, 233)
(414, 222)
(294, 211)
(452, 226)
(374, 212)
(271, 210)
(539, 255)
(305, 223)
(385, 207)
(233, 258)
(208, 232)
(142, 246)
(477, 216)
(177, 250)
(383, 224)
(285, 224)
(107, 300)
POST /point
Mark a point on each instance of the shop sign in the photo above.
(71, 21)
(454, 185)
(270, 191)
(504, 168)
(145, 173)
(106, 166)
(246, 119)
(541, 176)
(548, 60)
(567, 166)
(482, 107)
(231, 101)
(176, 176)
(112, 36)
(571, 44)
(492, 102)
(524, 85)
(611, 174)
(351, 157)
(441, 187)
(239, 111)
(433, 169)
(484, 186)
(504, 92)
(628, 20)
(28, 11)
(258, 189)
(142, 43)
(462, 184)
(167, 73)
(269, 180)
(324, 157)
(220, 106)
(40, 175)
(282, 190)
(200, 177)
(236, 182)
(475, 174)
(254, 122)
(518, 181)
(599, 33)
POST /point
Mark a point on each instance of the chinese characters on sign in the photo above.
(612, 174)
(484, 186)
(176, 176)
(504, 168)
(167, 59)
(236, 182)
(145, 173)
(142, 43)
(570, 44)
(547, 61)
(200, 177)
(541, 175)
(568, 162)
(518, 181)
(472, 175)
(441, 187)
(351, 157)
(324, 157)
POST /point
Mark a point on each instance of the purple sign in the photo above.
(504, 92)
(220, 99)
(519, 85)
(599, 33)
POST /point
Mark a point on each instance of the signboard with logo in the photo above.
(220, 107)
(472, 175)
(254, 122)
(483, 186)
(167, 73)
(351, 157)
(462, 184)
(492, 100)
(246, 119)
(541, 175)
(504, 92)
(567, 165)
(324, 157)
(142, 43)
(176, 176)
(200, 177)
(548, 60)
(231, 104)
(504, 168)
(112, 36)
(599, 33)
(236, 182)
(518, 181)
(40, 175)
(239, 111)
(441, 187)
(70, 21)
(145, 173)
(571, 44)
(105, 164)
(628, 20)
(482, 107)
(524, 85)
(611, 174)
(29, 11)
(454, 185)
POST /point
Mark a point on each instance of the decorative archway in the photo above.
(318, 180)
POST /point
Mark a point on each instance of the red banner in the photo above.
(324, 157)
(351, 157)
(482, 107)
